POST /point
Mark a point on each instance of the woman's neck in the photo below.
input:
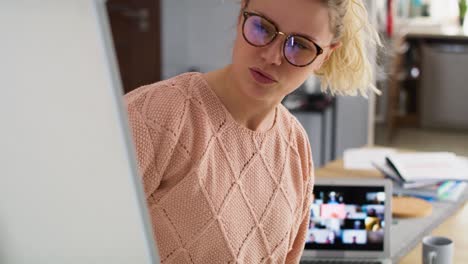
(253, 114)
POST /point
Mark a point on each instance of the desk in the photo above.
(454, 227)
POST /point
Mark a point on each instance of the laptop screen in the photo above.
(347, 217)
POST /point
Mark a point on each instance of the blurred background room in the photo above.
(421, 70)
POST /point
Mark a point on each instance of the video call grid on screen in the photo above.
(347, 217)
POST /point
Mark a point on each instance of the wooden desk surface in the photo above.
(336, 169)
(455, 227)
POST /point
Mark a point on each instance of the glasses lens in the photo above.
(258, 31)
(299, 51)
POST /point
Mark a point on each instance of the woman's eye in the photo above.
(300, 45)
(261, 28)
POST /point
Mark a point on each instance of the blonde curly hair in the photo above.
(349, 69)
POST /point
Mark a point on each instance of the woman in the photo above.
(227, 170)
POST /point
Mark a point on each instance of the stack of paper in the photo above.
(442, 191)
(428, 166)
(390, 173)
(429, 175)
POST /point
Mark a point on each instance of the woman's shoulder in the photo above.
(294, 131)
(176, 86)
(162, 101)
(290, 124)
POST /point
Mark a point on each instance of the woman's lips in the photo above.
(261, 76)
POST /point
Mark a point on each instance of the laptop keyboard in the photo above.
(339, 261)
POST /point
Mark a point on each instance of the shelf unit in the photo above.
(403, 107)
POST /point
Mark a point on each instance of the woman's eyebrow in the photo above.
(278, 28)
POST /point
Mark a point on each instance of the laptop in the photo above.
(69, 188)
(350, 222)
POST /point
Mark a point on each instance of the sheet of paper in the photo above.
(431, 165)
(362, 158)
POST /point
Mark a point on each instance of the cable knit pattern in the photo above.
(216, 191)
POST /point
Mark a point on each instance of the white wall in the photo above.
(352, 116)
(212, 30)
(174, 23)
(197, 34)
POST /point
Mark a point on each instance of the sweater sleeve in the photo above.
(153, 146)
(294, 255)
(144, 149)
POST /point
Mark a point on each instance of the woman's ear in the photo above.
(328, 53)
(332, 48)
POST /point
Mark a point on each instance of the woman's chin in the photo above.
(259, 93)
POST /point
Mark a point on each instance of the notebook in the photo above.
(350, 222)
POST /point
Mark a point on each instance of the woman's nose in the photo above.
(272, 53)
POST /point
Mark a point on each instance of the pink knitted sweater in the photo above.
(216, 191)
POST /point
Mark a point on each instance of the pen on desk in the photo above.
(424, 197)
(445, 187)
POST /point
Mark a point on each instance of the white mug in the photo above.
(437, 250)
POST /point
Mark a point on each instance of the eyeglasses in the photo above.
(298, 50)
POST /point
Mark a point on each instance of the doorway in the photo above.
(136, 30)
